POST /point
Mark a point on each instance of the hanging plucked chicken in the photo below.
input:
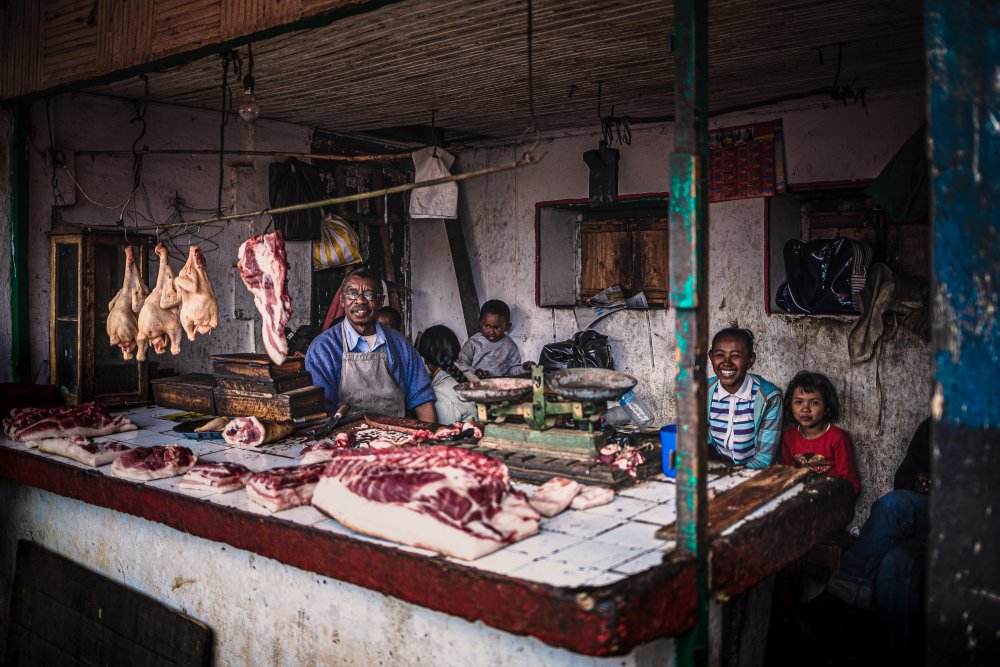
(123, 326)
(199, 312)
(159, 319)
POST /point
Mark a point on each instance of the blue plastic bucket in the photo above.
(668, 448)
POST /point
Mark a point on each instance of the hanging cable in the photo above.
(230, 60)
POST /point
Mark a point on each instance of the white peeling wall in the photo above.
(85, 122)
(824, 141)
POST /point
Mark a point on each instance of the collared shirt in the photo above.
(326, 354)
(358, 343)
(731, 419)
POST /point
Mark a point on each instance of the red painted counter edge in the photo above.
(599, 621)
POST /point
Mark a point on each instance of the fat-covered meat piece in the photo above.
(325, 449)
(282, 488)
(264, 270)
(222, 477)
(87, 419)
(554, 496)
(82, 449)
(249, 432)
(145, 463)
(449, 500)
(592, 496)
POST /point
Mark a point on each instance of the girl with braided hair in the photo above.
(439, 347)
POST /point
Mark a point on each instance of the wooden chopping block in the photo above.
(733, 504)
(275, 407)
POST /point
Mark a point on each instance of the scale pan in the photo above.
(495, 390)
(590, 384)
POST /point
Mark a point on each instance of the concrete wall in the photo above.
(84, 122)
(263, 612)
(6, 352)
(824, 142)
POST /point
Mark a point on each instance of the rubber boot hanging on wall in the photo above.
(603, 163)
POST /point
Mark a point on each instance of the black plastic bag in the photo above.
(300, 340)
(603, 163)
(587, 349)
(819, 275)
(295, 182)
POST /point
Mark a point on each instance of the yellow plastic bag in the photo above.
(338, 246)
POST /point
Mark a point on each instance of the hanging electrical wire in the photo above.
(231, 60)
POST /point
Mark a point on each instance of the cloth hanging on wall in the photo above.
(438, 201)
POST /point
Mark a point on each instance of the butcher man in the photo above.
(372, 368)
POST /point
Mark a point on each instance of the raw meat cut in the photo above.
(159, 319)
(592, 496)
(264, 271)
(399, 424)
(452, 501)
(222, 477)
(83, 449)
(554, 496)
(122, 310)
(281, 488)
(252, 432)
(326, 449)
(86, 419)
(157, 462)
(627, 458)
(199, 311)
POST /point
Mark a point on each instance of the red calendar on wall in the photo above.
(746, 161)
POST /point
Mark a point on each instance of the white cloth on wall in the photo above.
(438, 201)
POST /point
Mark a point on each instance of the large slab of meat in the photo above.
(84, 450)
(250, 432)
(199, 312)
(157, 462)
(282, 488)
(222, 477)
(67, 421)
(264, 271)
(451, 501)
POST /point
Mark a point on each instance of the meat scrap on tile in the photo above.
(199, 312)
(592, 496)
(455, 502)
(554, 496)
(159, 319)
(264, 270)
(87, 419)
(84, 450)
(326, 449)
(160, 461)
(123, 325)
(223, 477)
(283, 488)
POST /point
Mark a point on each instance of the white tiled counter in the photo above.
(592, 582)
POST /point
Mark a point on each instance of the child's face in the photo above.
(493, 326)
(808, 407)
(731, 361)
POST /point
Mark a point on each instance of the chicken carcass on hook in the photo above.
(199, 311)
(159, 319)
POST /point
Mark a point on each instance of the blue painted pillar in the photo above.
(963, 597)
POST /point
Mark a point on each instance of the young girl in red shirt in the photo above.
(811, 402)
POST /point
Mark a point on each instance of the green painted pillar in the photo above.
(688, 295)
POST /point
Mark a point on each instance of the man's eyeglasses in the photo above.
(368, 295)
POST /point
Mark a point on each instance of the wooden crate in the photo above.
(288, 405)
(254, 366)
(192, 392)
(275, 385)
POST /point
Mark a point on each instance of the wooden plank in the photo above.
(65, 609)
(605, 258)
(733, 504)
(467, 294)
(288, 405)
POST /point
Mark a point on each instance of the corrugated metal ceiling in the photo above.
(468, 60)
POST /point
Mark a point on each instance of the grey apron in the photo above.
(367, 384)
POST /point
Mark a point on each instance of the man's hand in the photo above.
(528, 365)
(481, 374)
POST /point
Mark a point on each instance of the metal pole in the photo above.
(688, 292)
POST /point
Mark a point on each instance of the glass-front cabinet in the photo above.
(88, 269)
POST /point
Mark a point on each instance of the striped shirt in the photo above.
(731, 422)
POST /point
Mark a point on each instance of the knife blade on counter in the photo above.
(323, 429)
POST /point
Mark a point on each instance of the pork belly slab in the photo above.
(84, 450)
(222, 477)
(451, 501)
(145, 463)
(282, 488)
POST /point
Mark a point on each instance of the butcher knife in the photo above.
(324, 430)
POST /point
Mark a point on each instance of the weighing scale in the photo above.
(543, 445)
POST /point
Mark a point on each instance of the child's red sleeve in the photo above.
(844, 463)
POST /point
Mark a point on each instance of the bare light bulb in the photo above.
(249, 110)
